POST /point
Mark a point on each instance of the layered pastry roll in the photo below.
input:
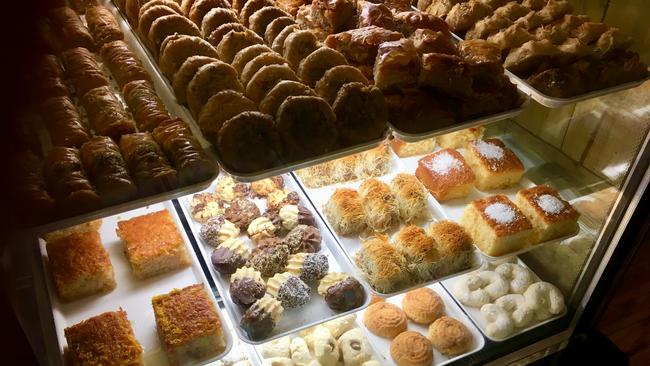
(463, 16)
(326, 17)
(80, 6)
(106, 114)
(445, 174)
(146, 107)
(494, 164)
(460, 139)
(147, 164)
(50, 77)
(102, 25)
(67, 181)
(379, 205)
(552, 217)
(496, 225)
(123, 64)
(181, 147)
(487, 26)
(344, 211)
(382, 264)
(411, 197)
(31, 188)
(419, 250)
(107, 170)
(526, 58)
(454, 246)
(63, 122)
(408, 22)
(69, 30)
(429, 41)
(82, 70)
(511, 37)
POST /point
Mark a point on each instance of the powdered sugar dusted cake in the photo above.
(496, 225)
(551, 216)
(445, 174)
(494, 164)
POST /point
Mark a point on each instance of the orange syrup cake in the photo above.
(494, 164)
(551, 216)
(445, 174)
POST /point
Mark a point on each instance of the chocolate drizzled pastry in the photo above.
(341, 292)
(242, 212)
(303, 239)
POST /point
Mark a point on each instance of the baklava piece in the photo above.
(454, 246)
(379, 205)
(460, 139)
(552, 217)
(411, 197)
(420, 252)
(382, 264)
(494, 164)
(344, 211)
(445, 174)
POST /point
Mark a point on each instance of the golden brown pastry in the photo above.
(408, 22)
(185, 73)
(172, 4)
(397, 65)
(423, 305)
(446, 74)
(67, 30)
(259, 20)
(201, 7)
(215, 18)
(254, 65)
(124, 65)
(168, 25)
(177, 50)
(385, 319)
(148, 16)
(554, 10)
(376, 14)
(327, 17)
(29, 184)
(249, 142)
(208, 81)
(235, 41)
(411, 197)
(483, 60)
(147, 165)
(487, 26)
(411, 349)
(106, 114)
(186, 5)
(63, 122)
(307, 126)
(360, 45)
(275, 27)
(511, 37)
(102, 25)
(221, 107)
(429, 41)
(530, 21)
(80, 6)
(280, 92)
(290, 6)
(382, 264)
(146, 107)
(250, 7)
(512, 10)
(49, 77)
(313, 67)
(464, 15)
(266, 78)
(420, 252)
(246, 54)
(278, 41)
(82, 70)
(344, 212)
(297, 46)
(379, 204)
(449, 336)
(132, 10)
(524, 59)
(361, 113)
(329, 85)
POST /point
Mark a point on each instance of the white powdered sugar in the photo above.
(550, 204)
(443, 163)
(501, 213)
(489, 150)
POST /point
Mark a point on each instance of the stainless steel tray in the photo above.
(131, 294)
(293, 320)
(143, 53)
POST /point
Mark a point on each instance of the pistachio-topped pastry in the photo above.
(289, 289)
(246, 286)
(204, 206)
(262, 317)
(217, 230)
(293, 215)
(228, 190)
(261, 228)
(341, 292)
(230, 255)
(309, 267)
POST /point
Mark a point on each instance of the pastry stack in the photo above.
(557, 52)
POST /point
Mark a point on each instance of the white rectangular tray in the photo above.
(451, 310)
(351, 244)
(293, 320)
(453, 209)
(131, 294)
(475, 313)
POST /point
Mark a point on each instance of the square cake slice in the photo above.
(496, 225)
(188, 324)
(551, 216)
(445, 174)
(460, 139)
(405, 149)
(103, 340)
(80, 265)
(494, 164)
(153, 244)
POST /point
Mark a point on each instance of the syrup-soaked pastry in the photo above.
(82, 70)
(439, 8)
(446, 74)
(341, 291)
(329, 85)
(201, 7)
(68, 29)
(253, 66)
(184, 151)
(107, 170)
(242, 212)
(146, 107)
(534, 4)
(408, 22)
(612, 40)
(484, 62)
(313, 67)
(361, 113)
(124, 65)
(275, 27)
(360, 45)
(278, 41)
(530, 21)
(327, 17)
(168, 25)
(235, 41)
(49, 80)
(511, 37)
(464, 15)
(290, 6)
(67, 181)
(570, 22)
(397, 65)
(297, 46)
(303, 239)
(216, 17)
(280, 92)
(148, 16)
(487, 26)
(428, 41)
(208, 81)
(250, 7)
(177, 50)
(216, 36)
(230, 255)
(31, 188)
(185, 74)
(246, 286)
(63, 122)
(554, 10)
(245, 55)
(529, 56)
(106, 114)
(266, 78)
(221, 107)
(249, 142)
(512, 10)
(261, 318)
(377, 14)
(147, 165)
(259, 20)
(572, 50)
(307, 126)
(80, 6)
(102, 25)
(289, 289)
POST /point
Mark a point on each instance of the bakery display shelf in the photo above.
(451, 310)
(413, 137)
(131, 294)
(165, 91)
(475, 313)
(316, 310)
(350, 245)
(552, 102)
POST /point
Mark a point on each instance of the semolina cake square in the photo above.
(103, 340)
(79, 265)
(188, 325)
(551, 216)
(405, 149)
(496, 225)
(445, 174)
(460, 139)
(494, 164)
(93, 225)
(153, 244)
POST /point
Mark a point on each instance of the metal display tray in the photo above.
(350, 245)
(163, 86)
(131, 294)
(475, 313)
(316, 310)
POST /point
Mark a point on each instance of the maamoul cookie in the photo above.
(411, 349)
(449, 336)
(423, 305)
(385, 319)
